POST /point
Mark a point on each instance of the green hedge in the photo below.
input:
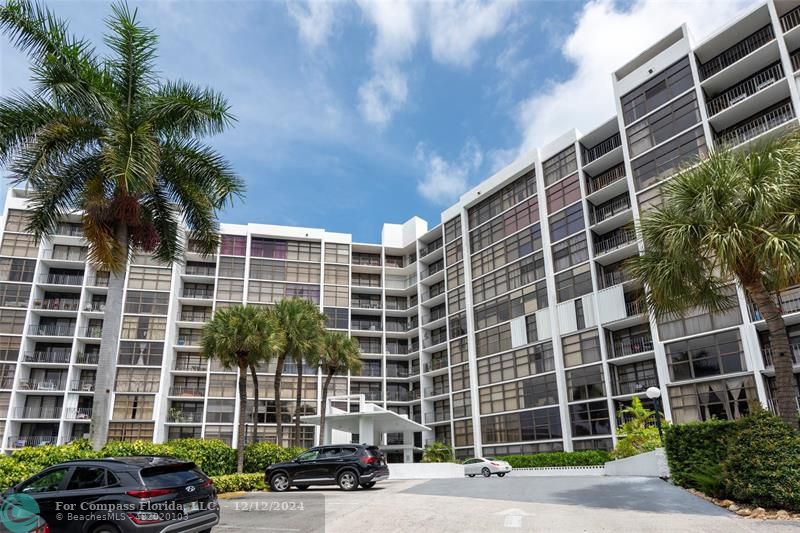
(585, 458)
(753, 460)
(239, 482)
(693, 444)
(259, 455)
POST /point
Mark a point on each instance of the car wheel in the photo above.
(368, 485)
(501, 474)
(302, 487)
(279, 482)
(105, 528)
(486, 472)
(471, 475)
(347, 480)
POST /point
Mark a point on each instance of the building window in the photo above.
(523, 394)
(538, 424)
(460, 377)
(559, 166)
(589, 419)
(452, 229)
(337, 318)
(512, 305)
(454, 252)
(574, 283)
(699, 321)
(230, 289)
(337, 296)
(493, 340)
(284, 271)
(667, 122)
(508, 223)
(149, 303)
(144, 327)
(133, 407)
(521, 363)
(280, 249)
(570, 252)
(19, 245)
(153, 279)
(130, 431)
(658, 163)
(337, 275)
(563, 193)
(566, 222)
(140, 353)
(657, 91)
(233, 245)
(701, 357)
(508, 278)
(462, 407)
(508, 250)
(581, 348)
(725, 399)
(337, 253)
(17, 221)
(13, 295)
(585, 383)
(13, 322)
(231, 267)
(17, 269)
(463, 432)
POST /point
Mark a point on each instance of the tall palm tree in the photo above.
(303, 325)
(732, 217)
(237, 337)
(340, 355)
(107, 137)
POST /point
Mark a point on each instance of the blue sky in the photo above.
(352, 114)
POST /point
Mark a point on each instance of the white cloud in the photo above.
(382, 95)
(457, 27)
(604, 38)
(314, 21)
(444, 180)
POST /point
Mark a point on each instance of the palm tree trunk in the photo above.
(242, 414)
(781, 352)
(109, 342)
(324, 412)
(254, 375)
(298, 401)
(277, 396)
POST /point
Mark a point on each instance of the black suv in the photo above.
(346, 465)
(141, 494)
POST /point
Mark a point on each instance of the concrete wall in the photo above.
(425, 470)
(558, 471)
(650, 464)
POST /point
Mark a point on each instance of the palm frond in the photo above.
(181, 109)
(164, 216)
(22, 116)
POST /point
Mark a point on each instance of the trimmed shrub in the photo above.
(539, 460)
(214, 457)
(259, 455)
(762, 465)
(438, 452)
(39, 457)
(694, 447)
(239, 482)
(127, 449)
(13, 472)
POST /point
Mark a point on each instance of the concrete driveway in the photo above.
(546, 504)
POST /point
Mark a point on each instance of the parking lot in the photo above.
(579, 504)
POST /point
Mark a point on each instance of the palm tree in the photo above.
(303, 325)
(106, 137)
(237, 337)
(340, 355)
(732, 217)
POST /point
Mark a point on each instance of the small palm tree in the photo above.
(302, 324)
(733, 217)
(340, 355)
(106, 137)
(237, 337)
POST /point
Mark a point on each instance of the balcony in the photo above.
(437, 416)
(396, 305)
(433, 268)
(184, 340)
(98, 306)
(100, 279)
(57, 304)
(436, 364)
(198, 294)
(608, 209)
(436, 391)
(365, 259)
(191, 392)
(736, 52)
(790, 19)
(191, 366)
(68, 230)
(92, 332)
(82, 385)
(71, 253)
(365, 304)
(632, 345)
(430, 247)
(794, 348)
(756, 125)
(20, 441)
(201, 270)
(393, 371)
(616, 239)
(370, 371)
(75, 280)
(38, 412)
(78, 413)
(52, 330)
(795, 57)
(366, 326)
(401, 327)
(190, 316)
(749, 87)
(88, 358)
(635, 308)
(634, 387)
(602, 148)
(616, 277)
(606, 178)
(177, 416)
(435, 339)
(47, 356)
(788, 301)
(42, 385)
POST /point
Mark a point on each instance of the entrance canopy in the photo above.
(370, 421)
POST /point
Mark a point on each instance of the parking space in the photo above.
(546, 504)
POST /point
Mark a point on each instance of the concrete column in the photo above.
(366, 430)
(328, 437)
(408, 441)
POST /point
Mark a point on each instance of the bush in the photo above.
(39, 457)
(637, 436)
(128, 449)
(239, 482)
(214, 457)
(762, 465)
(438, 452)
(13, 472)
(259, 455)
(539, 460)
(694, 446)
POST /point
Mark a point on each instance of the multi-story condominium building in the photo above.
(511, 327)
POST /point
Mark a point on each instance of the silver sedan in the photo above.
(486, 466)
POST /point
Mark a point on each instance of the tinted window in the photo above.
(49, 482)
(172, 477)
(310, 455)
(90, 477)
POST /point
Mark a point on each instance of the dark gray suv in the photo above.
(129, 494)
(346, 465)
